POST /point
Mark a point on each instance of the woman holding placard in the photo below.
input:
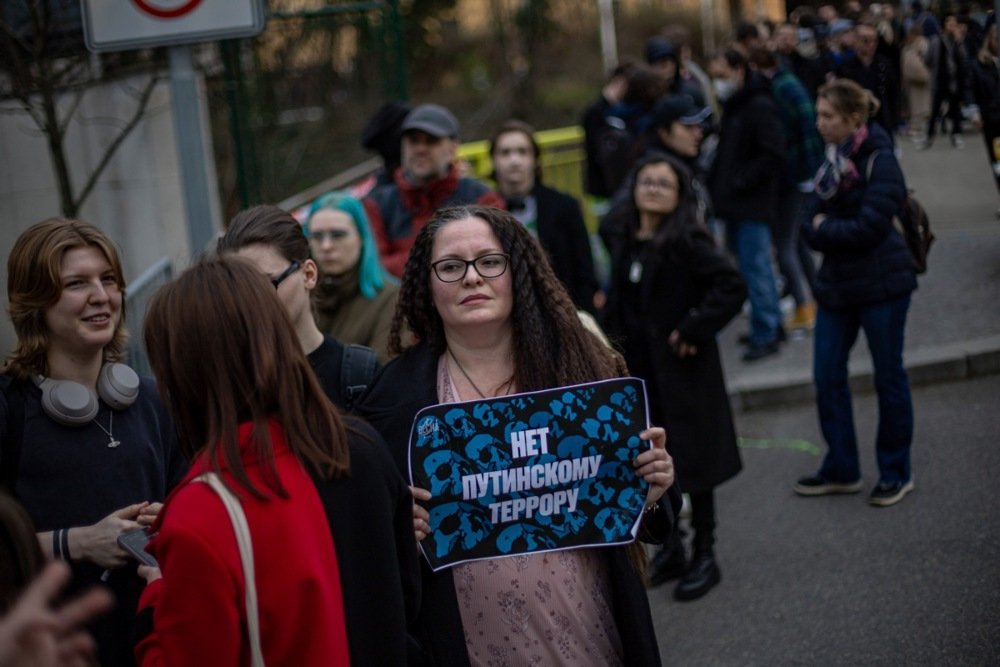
(492, 319)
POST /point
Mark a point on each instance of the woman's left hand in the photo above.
(655, 465)
(149, 573)
(681, 348)
(147, 515)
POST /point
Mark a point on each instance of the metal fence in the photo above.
(140, 291)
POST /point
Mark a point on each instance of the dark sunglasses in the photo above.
(292, 268)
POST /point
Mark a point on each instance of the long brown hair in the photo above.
(34, 285)
(552, 348)
(224, 352)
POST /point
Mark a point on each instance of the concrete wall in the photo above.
(138, 201)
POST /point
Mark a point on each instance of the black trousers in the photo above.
(703, 521)
(954, 111)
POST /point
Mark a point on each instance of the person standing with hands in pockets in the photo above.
(672, 290)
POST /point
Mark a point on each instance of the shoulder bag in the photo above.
(239, 521)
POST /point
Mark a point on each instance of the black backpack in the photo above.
(615, 152)
(912, 223)
(357, 368)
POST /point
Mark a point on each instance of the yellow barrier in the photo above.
(563, 161)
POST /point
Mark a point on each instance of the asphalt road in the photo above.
(832, 581)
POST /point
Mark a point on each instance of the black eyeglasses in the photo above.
(292, 268)
(332, 235)
(452, 270)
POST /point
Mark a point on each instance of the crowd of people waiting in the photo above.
(270, 456)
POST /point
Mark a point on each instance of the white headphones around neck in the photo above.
(72, 404)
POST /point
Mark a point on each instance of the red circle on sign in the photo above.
(148, 7)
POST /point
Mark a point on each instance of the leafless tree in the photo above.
(46, 70)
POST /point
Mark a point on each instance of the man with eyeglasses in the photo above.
(873, 71)
(426, 180)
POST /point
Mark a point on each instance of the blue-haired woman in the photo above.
(355, 297)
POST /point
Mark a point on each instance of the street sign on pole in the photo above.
(118, 25)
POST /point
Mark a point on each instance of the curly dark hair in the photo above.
(674, 225)
(552, 348)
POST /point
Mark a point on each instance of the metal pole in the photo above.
(609, 43)
(190, 148)
(708, 28)
(244, 153)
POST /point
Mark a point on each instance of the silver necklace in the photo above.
(478, 390)
(109, 431)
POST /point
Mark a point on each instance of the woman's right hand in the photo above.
(99, 543)
(421, 517)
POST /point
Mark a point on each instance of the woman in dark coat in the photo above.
(492, 319)
(671, 292)
(865, 282)
(986, 88)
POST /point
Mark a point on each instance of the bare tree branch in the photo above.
(77, 99)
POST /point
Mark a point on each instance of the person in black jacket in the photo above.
(949, 66)
(873, 71)
(865, 282)
(986, 88)
(553, 217)
(745, 182)
(273, 241)
(672, 291)
(492, 319)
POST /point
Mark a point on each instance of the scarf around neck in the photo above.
(838, 171)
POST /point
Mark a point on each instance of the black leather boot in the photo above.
(670, 562)
(700, 578)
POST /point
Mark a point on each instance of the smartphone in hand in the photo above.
(134, 542)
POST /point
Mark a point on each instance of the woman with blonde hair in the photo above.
(865, 282)
(86, 446)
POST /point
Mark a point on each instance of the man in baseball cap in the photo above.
(425, 181)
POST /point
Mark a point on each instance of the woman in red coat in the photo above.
(249, 409)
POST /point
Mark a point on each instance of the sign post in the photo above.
(118, 25)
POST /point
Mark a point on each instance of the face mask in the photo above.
(724, 88)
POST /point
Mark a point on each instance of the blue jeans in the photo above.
(794, 260)
(834, 336)
(751, 242)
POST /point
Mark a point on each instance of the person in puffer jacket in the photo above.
(865, 282)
